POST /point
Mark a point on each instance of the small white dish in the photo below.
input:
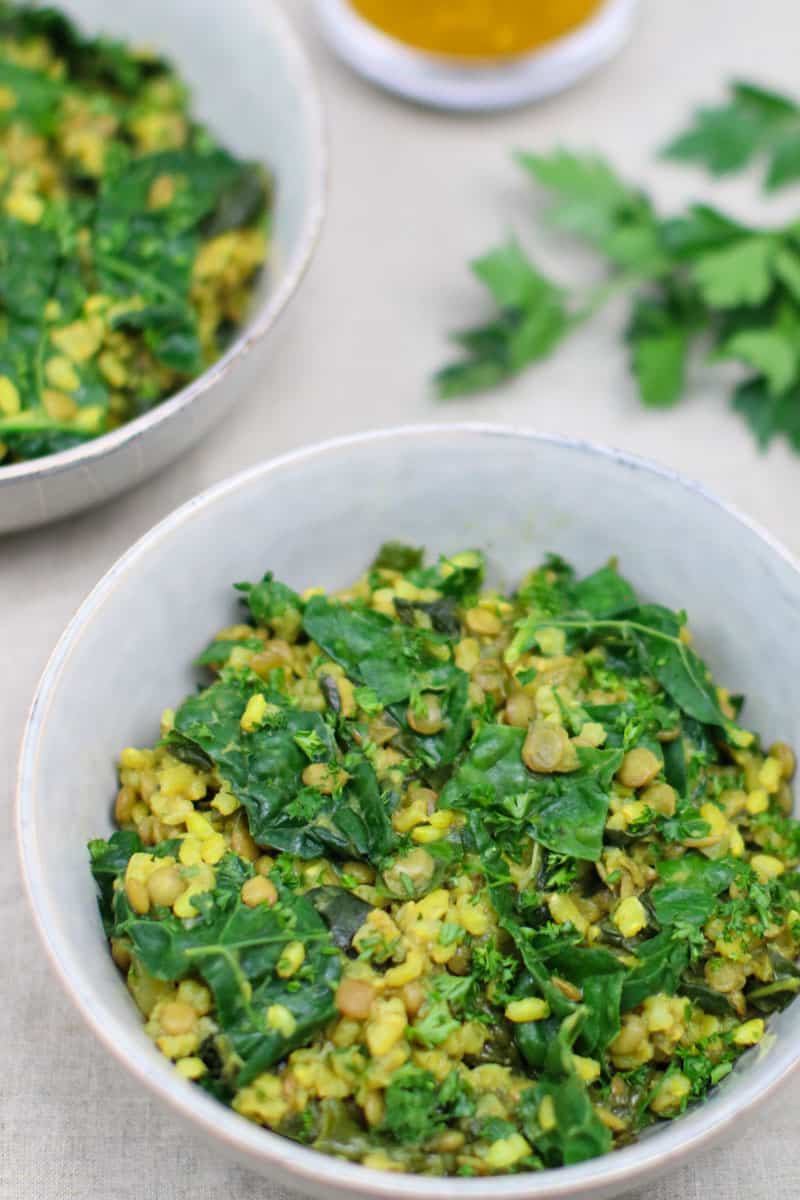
(252, 84)
(316, 516)
(468, 85)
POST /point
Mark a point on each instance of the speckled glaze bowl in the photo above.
(252, 84)
(316, 517)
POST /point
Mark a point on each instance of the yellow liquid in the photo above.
(476, 28)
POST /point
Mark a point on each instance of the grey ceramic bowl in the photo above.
(316, 517)
(252, 84)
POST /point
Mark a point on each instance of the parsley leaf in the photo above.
(770, 350)
(698, 276)
(736, 274)
(659, 336)
(752, 123)
(533, 321)
(767, 414)
(417, 1107)
(594, 203)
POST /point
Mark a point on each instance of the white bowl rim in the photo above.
(620, 1169)
(262, 320)
(467, 83)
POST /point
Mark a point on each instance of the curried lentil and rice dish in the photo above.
(440, 880)
(129, 238)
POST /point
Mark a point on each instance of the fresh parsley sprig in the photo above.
(753, 123)
(699, 281)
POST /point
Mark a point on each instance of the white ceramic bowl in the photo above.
(316, 517)
(470, 85)
(252, 84)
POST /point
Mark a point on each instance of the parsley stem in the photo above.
(600, 295)
(516, 648)
(204, 951)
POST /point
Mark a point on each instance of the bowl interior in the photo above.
(247, 86)
(317, 517)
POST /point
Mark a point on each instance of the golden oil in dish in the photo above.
(475, 55)
(477, 28)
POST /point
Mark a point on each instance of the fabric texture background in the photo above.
(414, 195)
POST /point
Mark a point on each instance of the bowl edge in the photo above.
(597, 1177)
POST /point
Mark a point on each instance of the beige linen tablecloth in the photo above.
(413, 196)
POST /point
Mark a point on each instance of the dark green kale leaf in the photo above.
(442, 614)
(569, 812)
(342, 912)
(151, 252)
(782, 988)
(97, 60)
(675, 764)
(599, 975)
(553, 590)
(696, 989)
(570, 817)
(361, 816)
(661, 962)
(440, 749)
(677, 904)
(695, 870)
(374, 651)
(578, 1133)
(566, 813)
(604, 593)
(236, 950)
(533, 1039)
(692, 883)
(29, 264)
(491, 772)
(242, 201)
(167, 325)
(123, 210)
(26, 443)
(682, 674)
(392, 660)
(263, 769)
(108, 860)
